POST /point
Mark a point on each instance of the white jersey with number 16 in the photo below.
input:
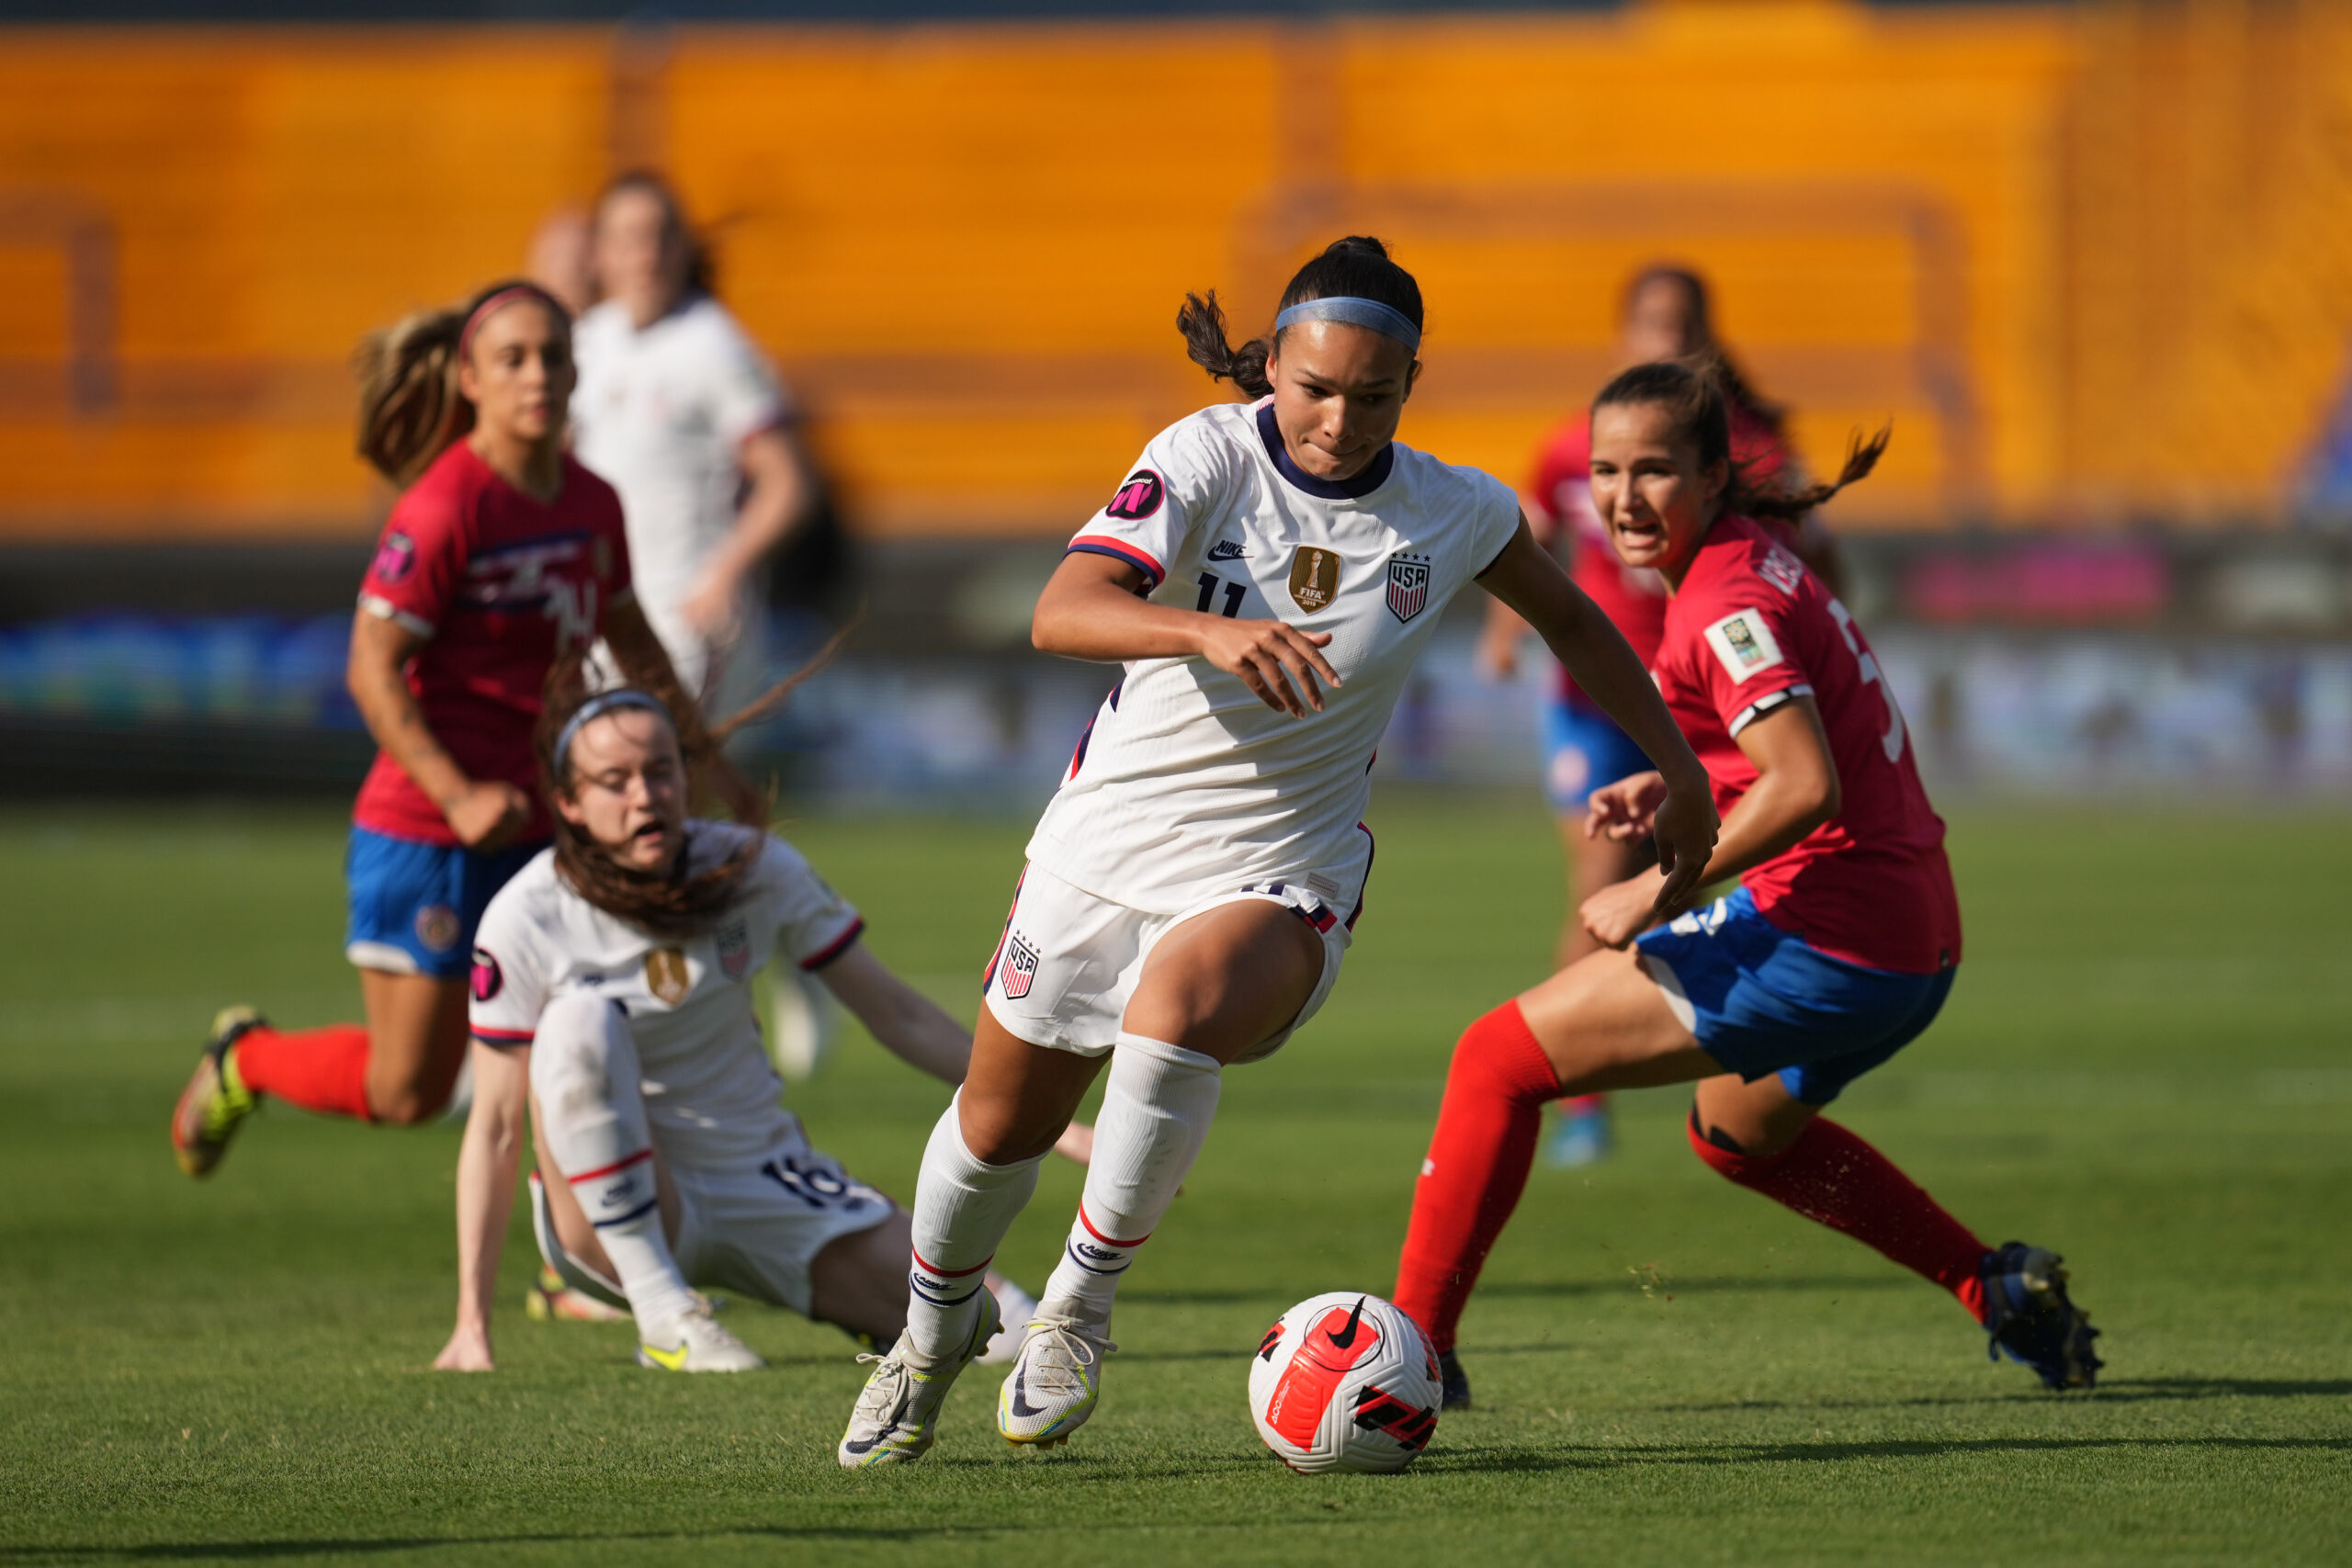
(1186, 786)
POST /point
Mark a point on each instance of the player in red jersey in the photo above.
(1665, 314)
(1837, 950)
(502, 552)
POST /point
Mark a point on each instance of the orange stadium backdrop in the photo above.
(2092, 261)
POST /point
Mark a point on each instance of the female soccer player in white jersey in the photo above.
(1267, 574)
(1835, 951)
(684, 415)
(611, 991)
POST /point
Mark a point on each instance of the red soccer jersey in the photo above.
(1559, 510)
(498, 584)
(1748, 627)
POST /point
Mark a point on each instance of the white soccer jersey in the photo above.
(710, 1089)
(1186, 786)
(660, 413)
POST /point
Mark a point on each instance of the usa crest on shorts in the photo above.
(1019, 968)
(1408, 586)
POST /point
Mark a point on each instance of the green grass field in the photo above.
(2144, 1065)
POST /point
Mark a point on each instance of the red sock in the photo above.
(318, 1069)
(1476, 1167)
(1833, 1178)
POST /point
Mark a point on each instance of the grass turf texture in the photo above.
(2144, 1064)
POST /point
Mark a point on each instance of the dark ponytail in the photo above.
(1357, 267)
(1693, 400)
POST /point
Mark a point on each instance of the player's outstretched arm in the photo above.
(487, 1161)
(1796, 790)
(1606, 670)
(1090, 610)
(917, 1031)
(909, 1025)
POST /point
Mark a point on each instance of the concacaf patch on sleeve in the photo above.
(1744, 643)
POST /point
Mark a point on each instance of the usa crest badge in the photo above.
(1020, 968)
(1408, 586)
(734, 949)
(1313, 577)
(666, 975)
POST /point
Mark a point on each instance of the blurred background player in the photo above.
(1196, 882)
(1664, 314)
(501, 553)
(562, 259)
(1837, 950)
(680, 411)
(611, 992)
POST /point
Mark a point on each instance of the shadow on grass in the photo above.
(2124, 1390)
(1598, 1456)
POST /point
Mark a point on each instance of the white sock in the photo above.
(585, 1071)
(962, 1208)
(1156, 1113)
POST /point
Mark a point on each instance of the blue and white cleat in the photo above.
(1583, 1137)
(2032, 1319)
(897, 1415)
(1056, 1378)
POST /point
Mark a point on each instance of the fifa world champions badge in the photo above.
(666, 975)
(1314, 578)
(1019, 968)
(1408, 586)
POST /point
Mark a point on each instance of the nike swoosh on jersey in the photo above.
(1227, 550)
(668, 1361)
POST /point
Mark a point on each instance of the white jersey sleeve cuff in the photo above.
(384, 609)
(1765, 704)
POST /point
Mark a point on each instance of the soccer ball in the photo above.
(1344, 1381)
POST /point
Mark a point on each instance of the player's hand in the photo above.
(488, 815)
(1625, 811)
(1622, 910)
(468, 1350)
(1268, 656)
(1496, 657)
(712, 610)
(1077, 1142)
(1685, 826)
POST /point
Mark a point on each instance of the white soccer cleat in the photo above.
(701, 1346)
(1018, 1306)
(896, 1412)
(1056, 1377)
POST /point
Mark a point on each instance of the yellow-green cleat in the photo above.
(216, 1100)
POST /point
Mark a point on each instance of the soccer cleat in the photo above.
(2032, 1319)
(896, 1412)
(548, 1300)
(1018, 1308)
(1056, 1380)
(216, 1100)
(702, 1347)
(1454, 1382)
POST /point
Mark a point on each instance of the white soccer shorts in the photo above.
(755, 1228)
(1069, 960)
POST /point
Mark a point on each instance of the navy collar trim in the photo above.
(1375, 475)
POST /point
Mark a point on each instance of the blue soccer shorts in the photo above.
(414, 906)
(1582, 751)
(1761, 1000)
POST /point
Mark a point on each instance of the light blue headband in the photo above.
(598, 707)
(1380, 317)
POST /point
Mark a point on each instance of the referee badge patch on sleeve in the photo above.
(1745, 644)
